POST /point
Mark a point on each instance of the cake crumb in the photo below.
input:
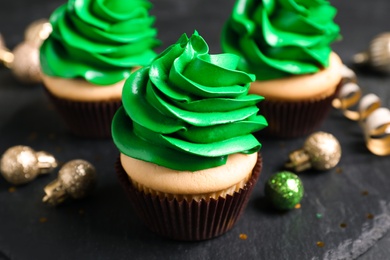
(42, 220)
(243, 236)
(339, 170)
(298, 206)
(320, 244)
(11, 189)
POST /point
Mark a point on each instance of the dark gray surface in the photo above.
(104, 226)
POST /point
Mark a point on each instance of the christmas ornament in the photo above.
(284, 190)
(76, 179)
(320, 151)
(21, 164)
(378, 54)
(24, 59)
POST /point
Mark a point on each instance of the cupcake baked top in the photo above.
(99, 41)
(281, 38)
(188, 110)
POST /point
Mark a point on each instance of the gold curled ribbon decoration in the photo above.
(367, 110)
(377, 131)
(347, 98)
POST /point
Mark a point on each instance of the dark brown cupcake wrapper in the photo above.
(289, 119)
(86, 119)
(189, 220)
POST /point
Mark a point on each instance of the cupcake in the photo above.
(286, 44)
(188, 161)
(93, 48)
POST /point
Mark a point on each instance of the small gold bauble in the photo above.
(21, 164)
(324, 150)
(321, 151)
(24, 58)
(25, 65)
(76, 179)
(378, 54)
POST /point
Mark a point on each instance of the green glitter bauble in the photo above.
(284, 190)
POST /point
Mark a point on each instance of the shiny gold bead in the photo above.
(321, 151)
(21, 164)
(76, 179)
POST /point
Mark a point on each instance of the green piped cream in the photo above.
(100, 41)
(188, 110)
(281, 38)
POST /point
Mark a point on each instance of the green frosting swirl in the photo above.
(99, 40)
(280, 38)
(188, 110)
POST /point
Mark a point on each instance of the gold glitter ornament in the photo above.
(378, 54)
(25, 65)
(76, 179)
(24, 59)
(321, 151)
(21, 164)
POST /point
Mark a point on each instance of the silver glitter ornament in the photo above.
(321, 151)
(21, 164)
(76, 179)
(378, 54)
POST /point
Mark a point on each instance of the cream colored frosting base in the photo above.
(82, 90)
(296, 88)
(208, 183)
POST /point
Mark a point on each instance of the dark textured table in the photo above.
(347, 209)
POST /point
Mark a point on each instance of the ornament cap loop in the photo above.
(361, 58)
(55, 193)
(46, 162)
(6, 57)
(299, 161)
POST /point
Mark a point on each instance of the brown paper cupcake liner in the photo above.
(288, 119)
(189, 220)
(86, 119)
